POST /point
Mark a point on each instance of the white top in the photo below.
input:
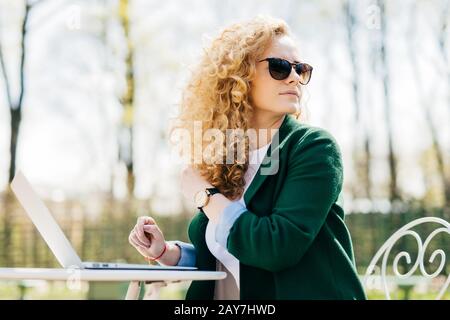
(221, 253)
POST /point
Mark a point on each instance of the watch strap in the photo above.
(212, 191)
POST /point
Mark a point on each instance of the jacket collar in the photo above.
(270, 164)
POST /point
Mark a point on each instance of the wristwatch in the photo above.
(201, 198)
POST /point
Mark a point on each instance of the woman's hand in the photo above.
(147, 238)
(192, 182)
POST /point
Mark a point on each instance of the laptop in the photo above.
(55, 237)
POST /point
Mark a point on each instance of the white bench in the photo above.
(376, 276)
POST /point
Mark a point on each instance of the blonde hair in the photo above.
(218, 93)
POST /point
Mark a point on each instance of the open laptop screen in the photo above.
(44, 222)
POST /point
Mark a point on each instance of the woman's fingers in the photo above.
(143, 242)
(139, 227)
(136, 243)
(155, 231)
(133, 242)
(129, 238)
(142, 236)
(145, 234)
(146, 220)
(149, 231)
(143, 251)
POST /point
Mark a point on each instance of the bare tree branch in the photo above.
(23, 53)
(394, 193)
(5, 78)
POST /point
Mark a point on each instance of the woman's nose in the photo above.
(293, 76)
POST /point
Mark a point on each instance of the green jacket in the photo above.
(291, 242)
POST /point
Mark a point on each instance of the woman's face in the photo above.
(266, 92)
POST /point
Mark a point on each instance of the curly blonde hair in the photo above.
(218, 94)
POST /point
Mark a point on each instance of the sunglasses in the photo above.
(280, 69)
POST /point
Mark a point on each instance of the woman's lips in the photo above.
(289, 94)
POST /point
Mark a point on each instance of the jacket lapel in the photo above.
(270, 163)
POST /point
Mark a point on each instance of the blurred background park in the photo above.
(87, 88)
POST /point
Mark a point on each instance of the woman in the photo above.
(275, 225)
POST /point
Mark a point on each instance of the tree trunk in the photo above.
(361, 141)
(394, 193)
(16, 117)
(127, 100)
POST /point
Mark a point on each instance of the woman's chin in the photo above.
(291, 108)
(284, 109)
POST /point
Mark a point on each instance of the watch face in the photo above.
(200, 198)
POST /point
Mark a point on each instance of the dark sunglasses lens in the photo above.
(304, 71)
(279, 69)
